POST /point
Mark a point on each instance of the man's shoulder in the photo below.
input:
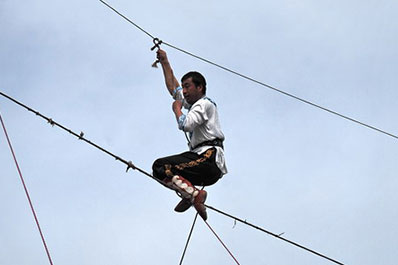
(209, 101)
(204, 104)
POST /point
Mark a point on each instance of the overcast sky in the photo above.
(323, 181)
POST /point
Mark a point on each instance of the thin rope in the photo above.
(126, 18)
(190, 232)
(222, 243)
(189, 238)
(256, 81)
(80, 136)
(275, 235)
(284, 92)
(130, 165)
(26, 192)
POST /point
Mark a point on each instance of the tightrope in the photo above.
(131, 165)
(275, 235)
(80, 136)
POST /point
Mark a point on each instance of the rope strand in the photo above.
(126, 18)
(26, 192)
(222, 243)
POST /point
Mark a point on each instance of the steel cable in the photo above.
(254, 80)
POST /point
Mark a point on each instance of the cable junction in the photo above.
(250, 78)
(132, 166)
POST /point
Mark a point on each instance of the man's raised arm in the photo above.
(169, 78)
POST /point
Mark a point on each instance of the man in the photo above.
(204, 164)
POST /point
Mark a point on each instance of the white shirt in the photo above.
(203, 125)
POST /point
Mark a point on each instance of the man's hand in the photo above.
(177, 105)
(162, 56)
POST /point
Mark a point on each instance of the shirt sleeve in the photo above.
(178, 95)
(181, 121)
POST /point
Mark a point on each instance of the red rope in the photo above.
(26, 191)
(219, 239)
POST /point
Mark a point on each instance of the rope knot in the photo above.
(130, 165)
(50, 121)
(81, 135)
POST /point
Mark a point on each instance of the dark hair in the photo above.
(197, 78)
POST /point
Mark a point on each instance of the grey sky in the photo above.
(325, 182)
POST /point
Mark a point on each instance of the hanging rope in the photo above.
(222, 243)
(254, 80)
(26, 192)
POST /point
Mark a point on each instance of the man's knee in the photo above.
(158, 169)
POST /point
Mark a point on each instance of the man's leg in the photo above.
(197, 169)
(190, 195)
(179, 172)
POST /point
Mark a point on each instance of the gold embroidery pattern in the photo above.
(195, 163)
(167, 170)
(189, 164)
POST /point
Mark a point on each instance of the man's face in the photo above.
(191, 92)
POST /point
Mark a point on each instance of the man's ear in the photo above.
(200, 87)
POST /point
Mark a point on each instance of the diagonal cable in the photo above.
(26, 192)
(275, 235)
(130, 165)
(189, 238)
(255, 80)
(126, 18)
(80, 136)
(222, 243)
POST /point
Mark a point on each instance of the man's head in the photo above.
(193, 86)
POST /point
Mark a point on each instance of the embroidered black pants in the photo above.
(197, 169)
